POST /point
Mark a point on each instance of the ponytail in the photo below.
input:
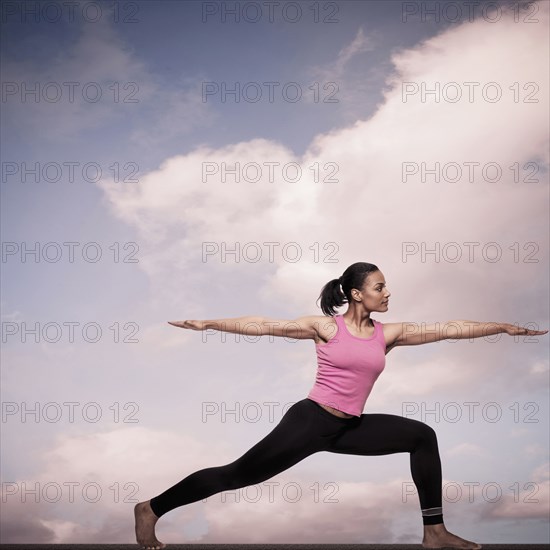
(337, 292)
(331, 297)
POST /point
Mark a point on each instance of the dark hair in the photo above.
(332, 296)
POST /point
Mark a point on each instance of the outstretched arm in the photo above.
(411, 334)
(301, 328)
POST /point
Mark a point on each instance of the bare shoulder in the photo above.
(325, 327)
(392, 331)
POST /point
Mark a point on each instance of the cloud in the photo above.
(291, 507)
(369, 212)
(468, 450)
(109, 470)
(99, 475)
(20, 523)
(366, 214)
(530, 500)
(214, 229)
(344, 83)
(11, 316)
(97, 81)
(353, 512)
(335, 70)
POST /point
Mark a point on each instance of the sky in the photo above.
(171, 160)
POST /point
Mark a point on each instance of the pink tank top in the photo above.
(347, 368)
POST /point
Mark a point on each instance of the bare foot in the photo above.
(145, 527)
(437, 536)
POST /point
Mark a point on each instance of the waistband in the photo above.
(332, 416)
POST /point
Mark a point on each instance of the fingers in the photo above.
(524, 331)
(184, 324)
(532, 332)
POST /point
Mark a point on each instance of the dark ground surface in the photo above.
(259, 546)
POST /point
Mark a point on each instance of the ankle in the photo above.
(432, 516)
(150, 509)
(436, 528)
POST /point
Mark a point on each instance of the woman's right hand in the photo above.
(193, 325)
(515, 330)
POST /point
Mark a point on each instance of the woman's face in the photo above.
(374, 294)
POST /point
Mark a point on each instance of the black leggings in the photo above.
(307, 428)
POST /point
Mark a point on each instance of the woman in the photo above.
(351, 351)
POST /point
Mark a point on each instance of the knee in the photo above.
(426, 434)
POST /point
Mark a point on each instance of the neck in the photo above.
(358, 317)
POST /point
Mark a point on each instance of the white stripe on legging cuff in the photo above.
(432, 511)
